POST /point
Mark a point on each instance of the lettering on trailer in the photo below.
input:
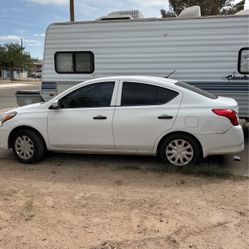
(235, 76)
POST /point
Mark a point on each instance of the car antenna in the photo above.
(170, 73)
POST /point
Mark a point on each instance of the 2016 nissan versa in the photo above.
(126, 115)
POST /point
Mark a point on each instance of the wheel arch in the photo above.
(183, 133)
(15, 130)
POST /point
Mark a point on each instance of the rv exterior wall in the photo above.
(204, 51)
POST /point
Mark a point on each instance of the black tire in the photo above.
(36, 143)
(195, 151)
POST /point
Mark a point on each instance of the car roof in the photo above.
(135, 78)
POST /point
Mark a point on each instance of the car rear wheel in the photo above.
(28, 146)
(180, 150)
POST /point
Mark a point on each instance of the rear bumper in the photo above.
(231, 141)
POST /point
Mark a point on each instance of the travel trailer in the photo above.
(208, 52)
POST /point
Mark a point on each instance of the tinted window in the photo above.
(196, 90)
(165, 95)
(243, 65)
(137, 94)
(74, 62)
(95, 95)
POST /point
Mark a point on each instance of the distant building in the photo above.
(21, 75)
(5, 74)
(36, 66)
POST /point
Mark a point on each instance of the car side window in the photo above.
(94, 95)
(138, 94)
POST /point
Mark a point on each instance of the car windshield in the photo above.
(196, 90)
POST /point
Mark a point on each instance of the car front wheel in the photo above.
(28, 146)
(180, 150)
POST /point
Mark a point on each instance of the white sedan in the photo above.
(126, 115)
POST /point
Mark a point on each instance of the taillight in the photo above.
(228, 113)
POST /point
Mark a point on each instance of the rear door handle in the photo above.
(165, 116)
(100, 117)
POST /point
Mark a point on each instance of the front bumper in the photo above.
(4, 136)
(231, 141)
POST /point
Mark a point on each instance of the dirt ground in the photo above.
(63, 203)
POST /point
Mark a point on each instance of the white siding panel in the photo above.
(199, 49)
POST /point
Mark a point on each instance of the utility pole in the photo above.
(21, 43)
(72, 10)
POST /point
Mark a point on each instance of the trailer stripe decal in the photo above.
(48, 85)
(221, 85)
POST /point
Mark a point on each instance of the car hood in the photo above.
(31, 107)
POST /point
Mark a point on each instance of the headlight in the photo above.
(7, 116)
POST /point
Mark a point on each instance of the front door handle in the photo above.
(165, 116)
(100, 117)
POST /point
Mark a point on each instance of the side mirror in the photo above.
(55, 105)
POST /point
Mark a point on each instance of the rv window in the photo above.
(83, 62)
(137, 94)
(74, 62)
(64, 62)
(243, 61)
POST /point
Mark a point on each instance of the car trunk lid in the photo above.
(228, 103)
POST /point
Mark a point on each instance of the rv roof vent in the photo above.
(194, 11)
(106, 18)
(136, 14)
(121, 15)
(242, 13)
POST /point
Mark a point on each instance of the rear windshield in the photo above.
(196, 90)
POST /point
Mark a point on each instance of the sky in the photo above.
(28, 19)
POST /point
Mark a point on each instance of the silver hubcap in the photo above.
(24, 147)
(179, 152)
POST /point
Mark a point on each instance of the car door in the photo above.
(84, 119)
(145, 112)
